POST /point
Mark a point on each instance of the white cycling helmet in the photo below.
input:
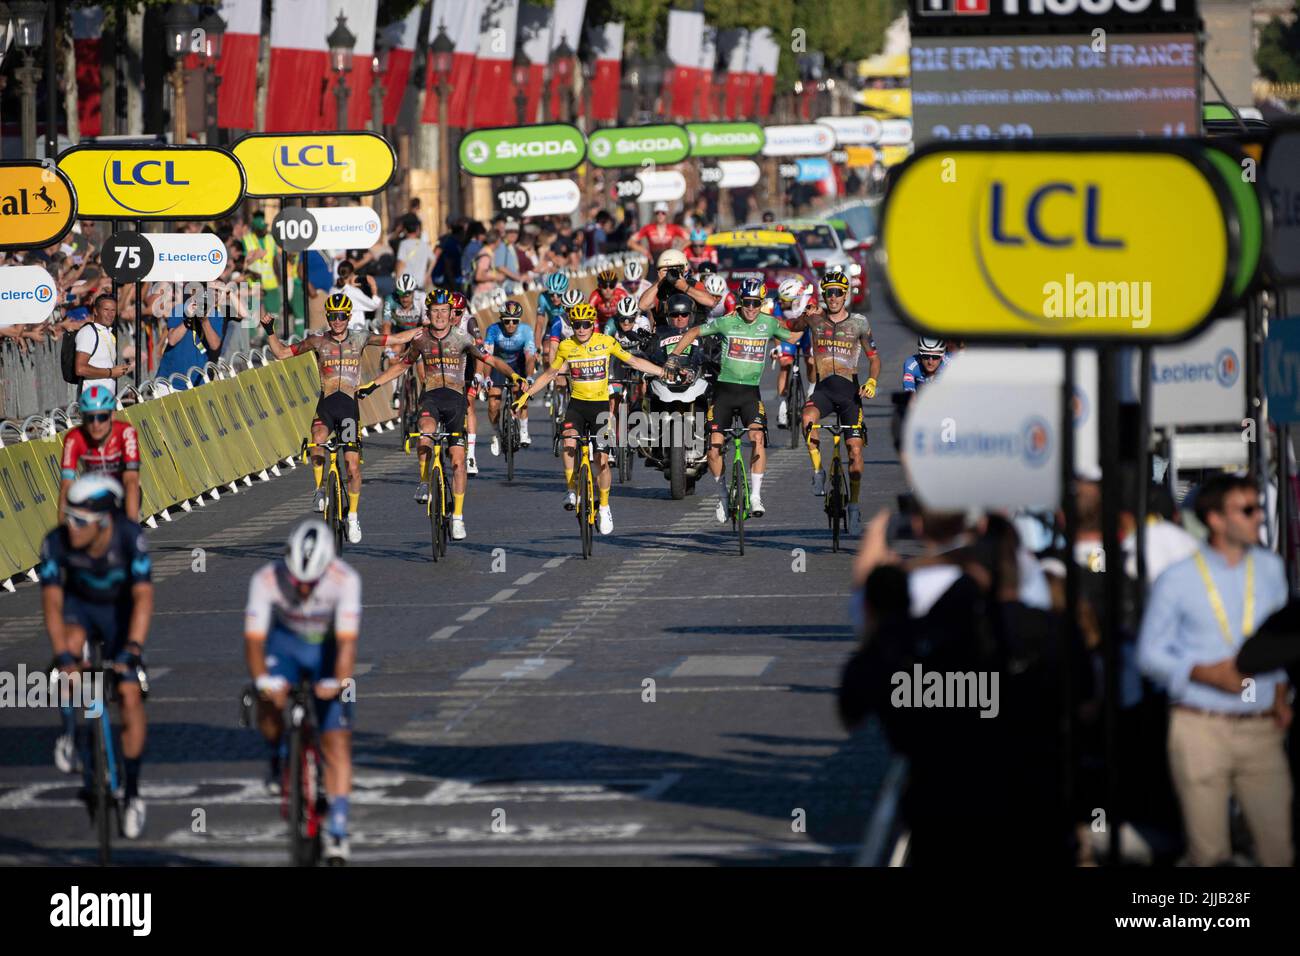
(714, 284)
(633, 270)
(95, 493)
(309, 551)
(628, 308)
(405, 284)
(570, 298)
(790, 289)
(925, 346)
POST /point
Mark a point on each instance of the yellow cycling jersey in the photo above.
(589, 365)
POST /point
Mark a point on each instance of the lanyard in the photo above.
(1216, 602)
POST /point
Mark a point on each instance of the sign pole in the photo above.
(1070, 513)
(1143, 472)
(139, 323)
(285, 324)
(1108, 434)
(1255, 410)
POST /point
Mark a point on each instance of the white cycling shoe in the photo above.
(570, 501)
(783, 415)
(458, 527)
(496, 445)
(354, 529)
(819, 484)
(524, 440)
(471, 466)
(720, 512)
(133, 819)
(337, 849)
(422, 493)
(854, 519)
(66, 757)
(605, 518)
(318, 500)
(756, 508)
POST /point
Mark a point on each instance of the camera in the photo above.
(673, 273)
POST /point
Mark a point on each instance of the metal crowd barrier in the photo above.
(31, 380)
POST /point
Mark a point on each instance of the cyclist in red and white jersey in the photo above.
(100, 445)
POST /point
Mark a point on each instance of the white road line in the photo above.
(503, 595)
(528, 578)
(556, 562)
(474, 613)
(441, 634)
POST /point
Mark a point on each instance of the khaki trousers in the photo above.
(1214, 757)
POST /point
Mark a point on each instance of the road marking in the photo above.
(530, 668)
(503, 595)
(528, 578)
(556, 562)
(722, 665)
(442, 633)
(474, 613)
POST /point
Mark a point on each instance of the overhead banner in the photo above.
(1015, 17)
(153, 182)
(1201, 381)
(853, 130)
(895, 132)
(185, 257)
(345, 227)
(516, 150)
(37, 204)
(1281, 182)
(808, 139)
(635, 145)
(661, 186)
(544, 197)
(725, 139)
(26, 295)
(731, 174)
(1041, 242)
(1281, 371)
(315, 164)
(812, 170)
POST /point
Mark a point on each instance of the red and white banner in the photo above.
(685, 30)
(606, 42)
(401, 51)
(535, 40)
(240, 48)
(566, 26)
(87, 23)
(739, 81)
(706, 103)
(300, 89)
(493, 101)
(764, 53)
(462, 20)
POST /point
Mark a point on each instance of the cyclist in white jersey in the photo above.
(301, 622)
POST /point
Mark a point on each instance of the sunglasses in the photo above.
(751, 303)
(337, 316)
(833, 293)
(583, 324)
(608, 283)
(509, 321)
(77, 519)
(1249, 510)
(930, 358)
(96, 418)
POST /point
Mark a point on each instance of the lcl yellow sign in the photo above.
(153, 182)
(316, 164)
(37, 205)
(1047, 243)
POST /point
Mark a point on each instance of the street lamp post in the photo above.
(635, 74)
(29, 31)
(214, 28)
(378, 70)
(658, 73)
(519, 73)
(442, 49)
(341, 41)
(562, 69)
(179, 21)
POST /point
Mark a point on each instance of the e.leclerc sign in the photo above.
(1043, 242)
(515, 150)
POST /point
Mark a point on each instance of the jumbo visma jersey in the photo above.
(744, 349)
(589, 365)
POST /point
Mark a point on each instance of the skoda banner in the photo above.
(153, 182)
(725, 139)
(315, 164)
(26, 295)
(853, 130)
(345, 227)
(37, 205)
(1045, 243)
(1199, 382)
(633, 146)
(185, 257)
(516, 150)
(808, 139)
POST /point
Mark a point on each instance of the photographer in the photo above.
(349, 283)
(675, 277)
(194, 336)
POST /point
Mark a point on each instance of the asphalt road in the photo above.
(500, 711)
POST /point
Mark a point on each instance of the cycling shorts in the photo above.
(335, 410)
(446, 407)
(109, 623)
(590, 417)
(730, 401)
(290, 657)
(839, 395)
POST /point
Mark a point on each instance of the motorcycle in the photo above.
(678, 439)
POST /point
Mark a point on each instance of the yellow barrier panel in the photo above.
(49, 455)
(160, 484)
(191, 463)
(275, 438)
(303, 382)
(203, 428)
(238, 439)
(285, 402)
(9, 563)
(188, 484)
(30, 511)
(229, 450)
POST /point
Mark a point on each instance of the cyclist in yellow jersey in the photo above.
(585, 360)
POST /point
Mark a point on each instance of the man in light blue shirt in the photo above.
(1226, 731)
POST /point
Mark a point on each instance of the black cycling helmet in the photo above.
(679, 304)
(510, 309)
(706, 268)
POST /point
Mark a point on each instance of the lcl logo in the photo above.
(139, 176)
(305, 154)
(294, 163)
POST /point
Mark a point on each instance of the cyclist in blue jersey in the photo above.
(930, 359)
(512, 340)
(96, 584)
(548, 305)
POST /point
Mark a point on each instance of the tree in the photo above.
(1278, 57)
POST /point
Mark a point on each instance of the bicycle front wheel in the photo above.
(836, 505)
(102, 794)
(584, 509)
(739, 506)
(509, 428)
(794, 408)
(334, 507)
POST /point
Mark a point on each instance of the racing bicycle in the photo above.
(336, 502)
(738, 486)
(439, 504)
(584, 484)
(837, 489)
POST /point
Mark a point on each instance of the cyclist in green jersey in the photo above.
(745, 334)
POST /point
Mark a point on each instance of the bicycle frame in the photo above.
(837, 491)
(334, 485)
(302, 786)
(738, 482)
(438, 482)
(106, 783)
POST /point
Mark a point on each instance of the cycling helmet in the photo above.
(607, 276)
(672, 257)
(570, 298)
(338, 303)
(309, 551)
(790, 289)
(699, 237)
(96, 493)
(458, 302)
(835, 279)
(706, 268)
(97, 398)
(510, 309)
(714, 284)
(926, 346)
(405, 284)
(556, 283)
(628, 308)
(582, 312)
(752, 289)
(680, 304)
(633, 270)
(437, 297)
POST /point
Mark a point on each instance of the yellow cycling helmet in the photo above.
(582, 312)
(338, 303)
(835, 279)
